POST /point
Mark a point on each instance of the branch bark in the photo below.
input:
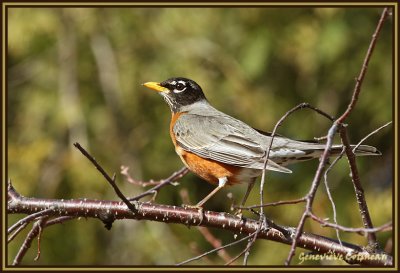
(359, 191)
(108, 211)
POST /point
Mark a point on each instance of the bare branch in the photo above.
(311, 194)
(106, 176)
(28, 219)
(215, 250)
(216, 243)
(28, 241)
(277, 203)
(338, 124)
(162, 183)
(300, 106)
(114, 210)
(360, 78)
(131, 180)
(41, 223)
(359, 191)
(362, 231)
(370, 134)
(17, 231)
(328, 192)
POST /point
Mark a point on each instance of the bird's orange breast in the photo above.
(208, 169)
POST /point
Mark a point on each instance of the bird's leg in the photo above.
(221, 183)
(246, 195)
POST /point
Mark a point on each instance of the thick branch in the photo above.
(113, 210)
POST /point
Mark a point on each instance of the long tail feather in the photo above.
(360, 151)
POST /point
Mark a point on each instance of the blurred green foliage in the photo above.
(75, 74)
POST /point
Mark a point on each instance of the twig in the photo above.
(300, 106)
(110, 180)
(361, 231)
(214, 250)
(277, 203)
(311, 194)
(339, 124)
(13, 200)
(372, 241)
(328, 192)
(28, 242)
(28, 219)
(262, 226)
(333, 164)
(369, 135)
(162, 183)
(216, 243)
(19, 229)
(39, 237)
(131, 180)
(360, 78)
(359, 191)
(245, 251)
(59, 220)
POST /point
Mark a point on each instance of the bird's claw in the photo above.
(199, 209)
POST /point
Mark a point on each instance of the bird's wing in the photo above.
(223, 139)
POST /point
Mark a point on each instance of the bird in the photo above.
(224, 150)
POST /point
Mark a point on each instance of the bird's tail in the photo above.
(302, 151)
(360, 151)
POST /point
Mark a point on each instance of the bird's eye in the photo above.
(180, 86)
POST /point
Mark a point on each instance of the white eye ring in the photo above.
(179, 83)
(179, 91)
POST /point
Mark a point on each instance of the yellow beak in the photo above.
(156, 86)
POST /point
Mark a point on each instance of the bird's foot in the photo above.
(238, 213)
(200, 210)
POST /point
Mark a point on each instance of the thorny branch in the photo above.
(338, 228)
(338, 125)
(52, 209)
(263, 219)
(359, 191)
(115, 210)
(311, 194)
(159, 184)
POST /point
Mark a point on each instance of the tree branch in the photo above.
(113, 210)
(359, 191)
(360, 78)
(338, 125)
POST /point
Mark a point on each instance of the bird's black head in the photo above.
(178, 92)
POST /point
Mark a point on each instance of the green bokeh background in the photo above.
(75, 75)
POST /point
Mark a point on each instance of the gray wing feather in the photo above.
(223, 139)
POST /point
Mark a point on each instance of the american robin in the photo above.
(223, 150)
